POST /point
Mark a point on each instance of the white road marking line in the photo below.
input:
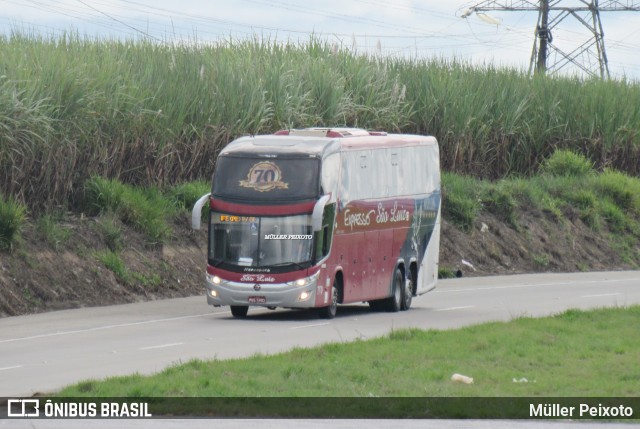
(309, 326)
(100, 328)
(534, 285)
(162, 346)
(10, 367)
(602, 294)
(455, 308)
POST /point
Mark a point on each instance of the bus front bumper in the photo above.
(262, 294)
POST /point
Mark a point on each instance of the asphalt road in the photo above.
(44, 352)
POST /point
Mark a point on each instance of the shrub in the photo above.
(102, 194)
(184, 196)
(582, 198)
(12, 219)
(145, 209)
(446, 273)
(623, 190)
(614, 216)
(567, 163)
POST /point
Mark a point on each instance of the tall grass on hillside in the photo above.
(145, 209)
(157, 114)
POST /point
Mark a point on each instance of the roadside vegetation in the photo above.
(576, 353)
(568, 187)
(12, 220)
(150, 114)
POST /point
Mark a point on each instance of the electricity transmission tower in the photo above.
(547, 57)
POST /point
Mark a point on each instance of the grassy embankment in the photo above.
(576, 354)
(568, 187)
(154, 115)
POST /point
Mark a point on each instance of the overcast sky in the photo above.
(409, 28)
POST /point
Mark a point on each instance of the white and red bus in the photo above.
(319, 217)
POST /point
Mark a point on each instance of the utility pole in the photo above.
(543, 34)
(548, 57)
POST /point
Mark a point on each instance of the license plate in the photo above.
(257, 300)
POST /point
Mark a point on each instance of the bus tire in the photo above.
(239, 311)
(407, 294)
(329, 312)
(394, 302)
(377, 305)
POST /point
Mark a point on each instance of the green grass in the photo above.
(567, 163)
(185, 195)
(610, 198)
(446, 273)
(460, 199)
(577, 353)
(110, 228)
(113, 261)
(607, 202)
(50, 228)
(146, 209)
(152, 114)
(13, 216)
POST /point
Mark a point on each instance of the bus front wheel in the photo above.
(239, 311)
(329, 312)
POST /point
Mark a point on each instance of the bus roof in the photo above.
(321, 141)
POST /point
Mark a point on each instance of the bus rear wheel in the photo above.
(394, 302)
(377, 305)
(239, 311)
(407, 294)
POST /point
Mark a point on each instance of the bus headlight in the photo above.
(304, 296)
(213, 279)
(305, 281)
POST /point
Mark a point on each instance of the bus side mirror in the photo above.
(196, 213)
(318, 211)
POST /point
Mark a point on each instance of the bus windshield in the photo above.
(250, 241)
